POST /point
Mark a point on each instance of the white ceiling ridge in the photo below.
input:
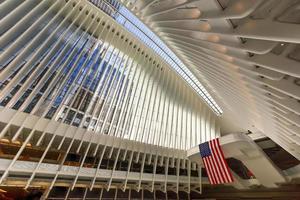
(251, 45)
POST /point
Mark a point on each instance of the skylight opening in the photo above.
(127, 19)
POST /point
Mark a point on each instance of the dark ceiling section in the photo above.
(277, 154)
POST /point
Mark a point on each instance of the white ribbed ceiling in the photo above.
(245, 52)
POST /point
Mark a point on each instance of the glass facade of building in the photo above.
(73, 80)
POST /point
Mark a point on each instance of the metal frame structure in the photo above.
(246, 52)
(86, 103)
(76, 82)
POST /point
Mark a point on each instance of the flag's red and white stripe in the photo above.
(216, 166)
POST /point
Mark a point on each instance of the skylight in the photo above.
(123, 16)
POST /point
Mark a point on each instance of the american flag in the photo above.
(214, 161)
